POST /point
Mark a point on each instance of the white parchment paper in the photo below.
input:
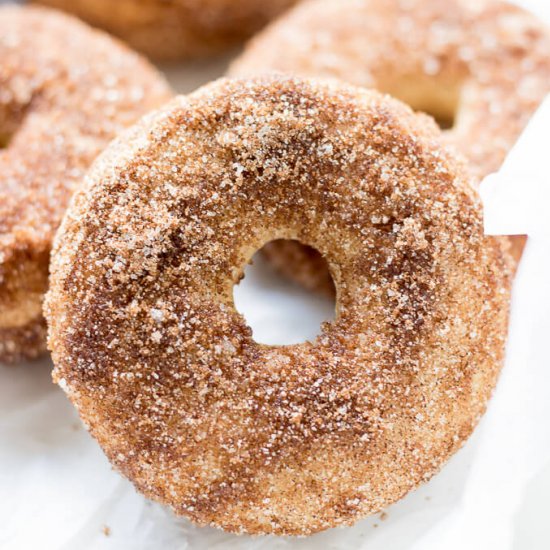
(57, 490)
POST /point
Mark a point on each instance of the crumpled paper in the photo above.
(57, 490)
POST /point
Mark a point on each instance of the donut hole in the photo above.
(437, 97)
(279, 311)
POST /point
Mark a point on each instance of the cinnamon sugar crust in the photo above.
(65, 92)
(176, 29)
(164, 371)
(481, 67)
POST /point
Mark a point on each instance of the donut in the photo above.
(164, 371)
(65, 92)
(480, 68)
(176, 29)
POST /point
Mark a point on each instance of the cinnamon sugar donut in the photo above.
(175, 29)
(164, 371)
(65, 92)
(480, 67)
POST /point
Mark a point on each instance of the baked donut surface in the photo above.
(65, 92)
(480, 67)
(164, 371)
(176, 29)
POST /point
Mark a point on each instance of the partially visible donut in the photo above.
(164, 371)
(176, 29)
(65, 92)
(482, 67)
(304, 264)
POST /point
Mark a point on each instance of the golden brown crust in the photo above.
(65, 92)
(176, 29)
(148, 345)
(484, 64)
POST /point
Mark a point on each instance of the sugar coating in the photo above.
(484, 64)
(65, 92)
(491, 57)
(163, 369)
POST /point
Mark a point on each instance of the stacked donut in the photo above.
(357, 193)
(480, 68)
(65, 92)
(175, 29)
